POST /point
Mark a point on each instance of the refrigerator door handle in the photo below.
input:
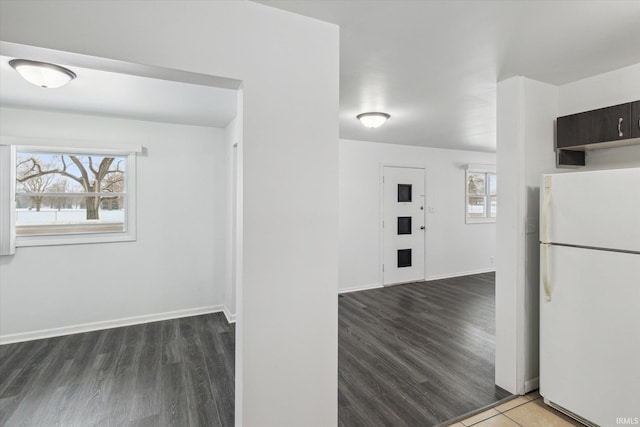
(544, 238)
(544, 267)
(544, 221)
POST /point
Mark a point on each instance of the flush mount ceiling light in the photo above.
(42, 74)
(373, 120)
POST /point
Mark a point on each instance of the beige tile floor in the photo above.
(523, 411)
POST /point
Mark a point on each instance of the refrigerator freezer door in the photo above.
(589, 340)
(596, 208)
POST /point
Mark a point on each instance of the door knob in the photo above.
(422, 227)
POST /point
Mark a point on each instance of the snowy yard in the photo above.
(67, 221)
(64, 216)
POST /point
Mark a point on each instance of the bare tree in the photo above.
(476, 184)
(33, 183)
(59, 186)
(113, 183)
(93, 178)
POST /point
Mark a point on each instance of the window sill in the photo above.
(480, 221)
(76, 239)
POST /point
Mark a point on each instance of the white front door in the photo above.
(403, 224)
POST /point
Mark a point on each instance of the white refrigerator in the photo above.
(590, 295)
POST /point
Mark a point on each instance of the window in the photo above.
(72, 195)
(404, 193)
(481, 194)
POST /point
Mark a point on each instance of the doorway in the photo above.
(403, 224)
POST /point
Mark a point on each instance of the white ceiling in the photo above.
(433, 65)
(121, 95)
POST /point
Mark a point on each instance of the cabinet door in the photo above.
(611, 123)
(573, 130)
(635, 120)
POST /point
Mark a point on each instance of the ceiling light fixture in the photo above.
(373, 120)
(42, 74)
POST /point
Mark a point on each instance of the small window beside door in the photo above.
(481, 194)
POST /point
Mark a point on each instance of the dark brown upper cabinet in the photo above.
(635, 120)
(573, 130)
(601, 128)
(611, 124)
(596, 126)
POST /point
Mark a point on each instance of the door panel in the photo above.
(597, 208)
(403, 224)
(589, 338)
(574, 130)
(635, 120)
(611, 123)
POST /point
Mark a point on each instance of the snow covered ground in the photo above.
(64, 216)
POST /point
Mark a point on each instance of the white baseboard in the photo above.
(108, 324)
(532, 384)
(464, 273)
(231, 318)
(359, 288)
(437, 277)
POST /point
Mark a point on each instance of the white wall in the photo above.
(603, 90)
(509, 229)
(526, 113)
(615, 87)
(178, 260)
(288, 369)
(452, 247)
(233, 143)
(540, 110)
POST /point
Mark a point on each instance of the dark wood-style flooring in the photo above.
(172, 373)
(417, 354)
(409, 355)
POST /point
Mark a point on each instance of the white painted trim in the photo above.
(389, 285)
(532, 384)
(359, 288)
(480, 220)
(520, 302)
(460, 274)
(7, 200)
(107, 324)
(70, 146)
(231, 318)
(129, 235)
(402, 165)
(428, 279)
(380, 228)
(72, 59)
(481, 168)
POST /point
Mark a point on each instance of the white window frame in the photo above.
(66, 147)
(479, 169)
(7, 199)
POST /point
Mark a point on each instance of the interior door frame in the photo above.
(381, 216)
